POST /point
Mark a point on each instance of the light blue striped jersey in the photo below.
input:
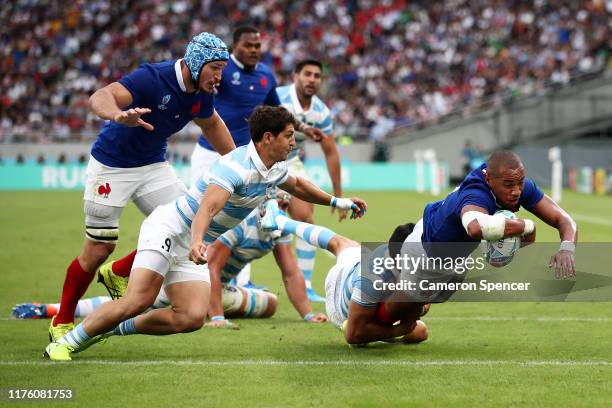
(318, 115)
(358, 285)
(248, 243)
(240, 172)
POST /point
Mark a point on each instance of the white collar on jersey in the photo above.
(179, 74)
(259, 164)
(295, 101)
(238, 63)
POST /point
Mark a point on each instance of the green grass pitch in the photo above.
(492, 354)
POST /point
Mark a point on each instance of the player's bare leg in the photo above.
(189, 302)
(143, 287)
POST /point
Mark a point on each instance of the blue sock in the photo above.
(125, 328)
(75, 337)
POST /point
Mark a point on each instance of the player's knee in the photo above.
(133, 305)
(190, 321)
(94, 254)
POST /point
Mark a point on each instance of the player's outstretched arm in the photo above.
(108, 103)
(563, 261)
(480, 225)
(212, 202)
(305, 190)
(294, 282)
(216, 133)
(362, 326)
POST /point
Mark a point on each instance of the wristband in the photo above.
(567, 246)
(217, 318)
(308, 316)
(529, 227)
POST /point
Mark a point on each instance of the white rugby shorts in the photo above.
(115, 186)
(346, 260)
(164, 233)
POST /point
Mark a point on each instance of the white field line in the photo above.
(592, 220)
(332, 363)
(476, 319)
(519, 319)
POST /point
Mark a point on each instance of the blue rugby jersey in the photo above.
(159, 87)
(240, 92)
(241, 173)
(248, 243)
(318, 115)
(442, 219)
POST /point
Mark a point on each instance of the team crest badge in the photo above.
(263, 82)
(236, 78)
(164, 102)
(104, 190)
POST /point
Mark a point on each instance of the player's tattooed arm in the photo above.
(108, 103)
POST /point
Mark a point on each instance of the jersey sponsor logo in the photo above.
(236, 78)
(164, 102)
(263, 81)
(196, 108)
(104, 190)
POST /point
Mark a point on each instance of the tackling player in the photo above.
(300, 98)
(353, 303)
(174, 238)
(143, 109)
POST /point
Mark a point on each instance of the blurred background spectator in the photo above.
(388, 63)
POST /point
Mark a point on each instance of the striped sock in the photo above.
(313, 234)
(125, 328)
(75, 337)
(306, 259)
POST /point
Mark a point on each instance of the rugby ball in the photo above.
(500, 253)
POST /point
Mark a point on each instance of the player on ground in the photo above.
(467, 216)
(246, 83)
(127, 161)
(300, 98)
(353, 303)
(174, 238)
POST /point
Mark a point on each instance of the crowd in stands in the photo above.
(387, 63)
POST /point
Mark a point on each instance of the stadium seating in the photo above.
(411, 62)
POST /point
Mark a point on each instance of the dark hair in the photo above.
(273, 119)
(503, 158)
(300, 65)
(397, 238)
(245, 29)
